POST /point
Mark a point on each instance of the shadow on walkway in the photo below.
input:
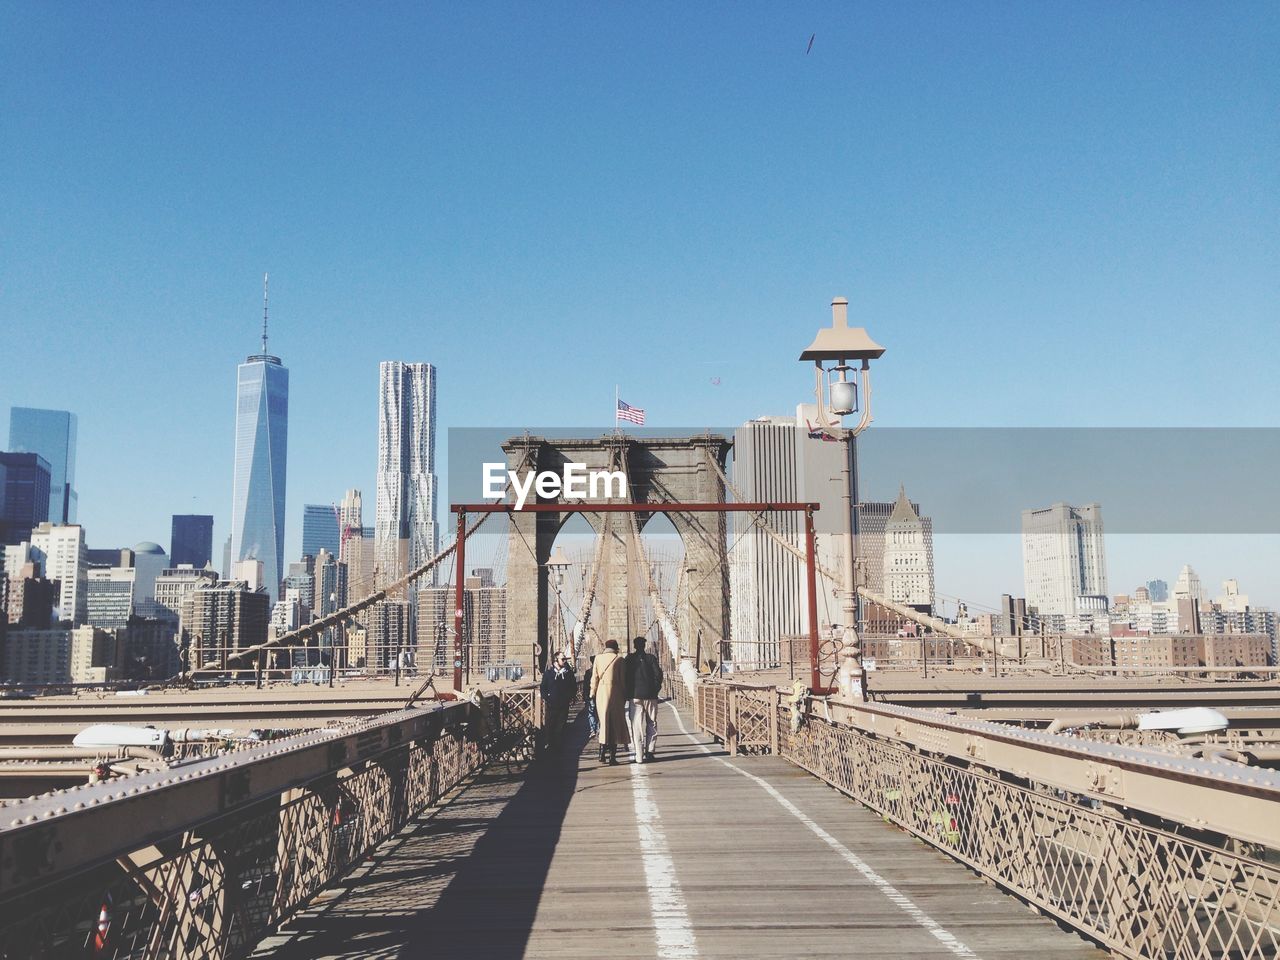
(468, 876)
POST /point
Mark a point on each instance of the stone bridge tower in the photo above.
(680, 469)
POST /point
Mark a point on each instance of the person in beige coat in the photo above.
(609, 690)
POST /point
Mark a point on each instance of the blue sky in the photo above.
(1052, 214)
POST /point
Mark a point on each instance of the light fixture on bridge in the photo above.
(836, 390)
(841, 343)
(558, 563)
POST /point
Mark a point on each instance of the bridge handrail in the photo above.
(1079, 829)
(260, 831)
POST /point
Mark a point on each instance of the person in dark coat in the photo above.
(558, 687)
(644, 686)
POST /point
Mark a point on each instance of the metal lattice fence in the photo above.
(1142, 886)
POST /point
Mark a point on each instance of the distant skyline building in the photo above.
(24, 495)
(60, 551)
(319, 529)
(1157, 591)
(908, 558)
(52, 434)
(405, 512)
(191, 539)
(1187, 586)
(262, 426)
(1063, 558)
(224, 617)
(350, 517)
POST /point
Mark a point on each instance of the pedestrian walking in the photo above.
(558, 687)
(609, 690)
(644, 685)
(589, 708)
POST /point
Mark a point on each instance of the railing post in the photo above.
(731, 734)
(773, 699)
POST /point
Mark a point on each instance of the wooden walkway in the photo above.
(694, 855)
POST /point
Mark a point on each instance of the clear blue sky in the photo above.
(1050, 213)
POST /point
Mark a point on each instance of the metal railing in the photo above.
(1151, 855)
(202, 860)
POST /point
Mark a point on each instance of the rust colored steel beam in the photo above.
(664, 506)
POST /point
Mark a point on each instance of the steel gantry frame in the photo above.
(811, 582)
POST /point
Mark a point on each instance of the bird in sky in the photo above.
(810, 47)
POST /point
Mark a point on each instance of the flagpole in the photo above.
(615, 408)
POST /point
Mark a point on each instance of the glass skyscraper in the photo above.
(405, 511)
(262, 426)
(52, 434)
(191, 540)
(319, 529)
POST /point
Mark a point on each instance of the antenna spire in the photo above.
(266, 280)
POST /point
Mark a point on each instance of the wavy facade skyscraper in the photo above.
(262, 437)
(405, 512)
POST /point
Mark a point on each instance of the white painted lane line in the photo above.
(894, 895)
(672, 930)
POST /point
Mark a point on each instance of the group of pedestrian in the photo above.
(621, 696)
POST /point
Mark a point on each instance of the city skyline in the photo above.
(1017, 224)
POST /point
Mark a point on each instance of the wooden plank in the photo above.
(550, 866)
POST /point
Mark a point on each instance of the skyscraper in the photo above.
(191, 540)
(350, 520)
(60, 550)
(405, 513)
(24, 502)
(262, 425)
(908, 557)
(319, 529)
(52, 434)
(1063, 557)
(776, 459)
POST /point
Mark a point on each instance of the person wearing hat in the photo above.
(558, 687)
(609, 690)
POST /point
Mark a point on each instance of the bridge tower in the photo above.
(680, 469)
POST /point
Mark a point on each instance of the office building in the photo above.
(775, 459)
(1063, 558)
(51, 434)
(24, 501)
(109, 596)
(258, 499)
(484, 624)
(363, 575)
(350, 519)
(907, 560)
(873, 523)
(31, 597)
(329, 577)
(57, 655)
(60, 551)
(319, 529)
(191, 540)
(387, 634)
(150, 561)
(1157, 591)
(1188, 586)
(405, 511)
(224, 617)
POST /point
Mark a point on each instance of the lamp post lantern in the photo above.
(557, 564)
(836, 388)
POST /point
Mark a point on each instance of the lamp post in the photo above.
(557, 564)
(836, 389)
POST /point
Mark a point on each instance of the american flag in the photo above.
(630, 414)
